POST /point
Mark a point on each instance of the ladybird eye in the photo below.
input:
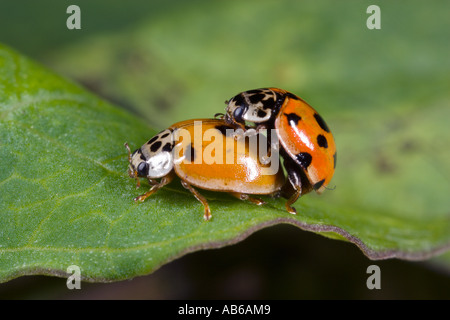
(238, 113)
(142, 168)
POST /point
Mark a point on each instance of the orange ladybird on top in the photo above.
(307, 144)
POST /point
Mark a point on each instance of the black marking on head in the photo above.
(190, 153)
(239, 100)
(255, 98)
(152, 139)
(322, 141)
(261, 113)
(293, 119)
(269, 103)
(167, 147)
(304, 158)
(319, 184)
(254, 91)
(165, 135)
(226, 131)
(155, 146)
(335, 158)
(140, 152)
(321, 122)
(292, 96)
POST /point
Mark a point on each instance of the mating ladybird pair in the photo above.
(305, 143)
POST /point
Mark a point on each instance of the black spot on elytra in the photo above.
(292, 96)
(322, 141)
(335, 158)
(165, 135)
(319, 184)
(223, 130)
(155, 146)
(293, 119)
(304, 158)
(190, 153)
(167, 147)
(261, 113)
(152, 139)
(321, 122)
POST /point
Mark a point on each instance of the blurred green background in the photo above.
(172, 60)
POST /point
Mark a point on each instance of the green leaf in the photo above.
(384, 93)
(66, 198)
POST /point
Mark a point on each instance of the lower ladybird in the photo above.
(227, 164)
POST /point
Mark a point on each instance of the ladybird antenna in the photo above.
(219, 115)
(129, 151)
(132, 173)
(330, 188)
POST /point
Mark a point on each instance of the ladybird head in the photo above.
(256, 106)
(154, 159)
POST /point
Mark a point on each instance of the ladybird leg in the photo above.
(199, 197)
(292, 199)
(152, 181)
(243, 196)
(260, 127)
(155, 187)
(138, 182)
(239, 133)
(296, 185)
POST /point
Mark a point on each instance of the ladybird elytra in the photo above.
(182, 150)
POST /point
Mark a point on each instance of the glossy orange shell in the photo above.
(212, 162)
(301, 130)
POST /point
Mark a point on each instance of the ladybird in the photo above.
(307, 144)
(224, 163)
